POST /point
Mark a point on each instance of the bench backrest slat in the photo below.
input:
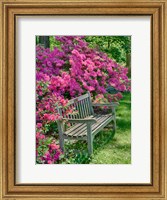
(87, 107)
(82, 106)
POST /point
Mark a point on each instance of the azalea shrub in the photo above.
(48, 152)
(69, 70)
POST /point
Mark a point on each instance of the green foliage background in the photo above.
(117, 47)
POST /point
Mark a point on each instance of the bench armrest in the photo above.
(86, 120)
(105, 104)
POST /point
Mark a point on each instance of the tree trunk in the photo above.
(44, 41)
(128, 63)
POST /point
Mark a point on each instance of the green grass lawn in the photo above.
(107, 149)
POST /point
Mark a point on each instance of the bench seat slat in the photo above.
(101, 126)
(76, 125)
(79, 126)
(83, 131)
(80, 130)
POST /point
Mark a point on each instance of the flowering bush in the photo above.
(66, 72)
(48, 152)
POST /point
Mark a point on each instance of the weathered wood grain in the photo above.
(88, 124)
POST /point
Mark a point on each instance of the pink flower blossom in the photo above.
(54, 146)
(50, 162)
(39, 125)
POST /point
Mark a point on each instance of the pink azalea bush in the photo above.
(66, 72)
(48, 152)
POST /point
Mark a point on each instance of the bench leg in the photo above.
(114, 120)
(114, 125)
(89, 139)
(61, 141)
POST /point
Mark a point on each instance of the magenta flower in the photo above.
(54, 146)
(39, 125)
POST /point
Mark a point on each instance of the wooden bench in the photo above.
(85, 124)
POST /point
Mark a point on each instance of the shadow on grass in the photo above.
(123, 124)
(102, 139)
(123, 146)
